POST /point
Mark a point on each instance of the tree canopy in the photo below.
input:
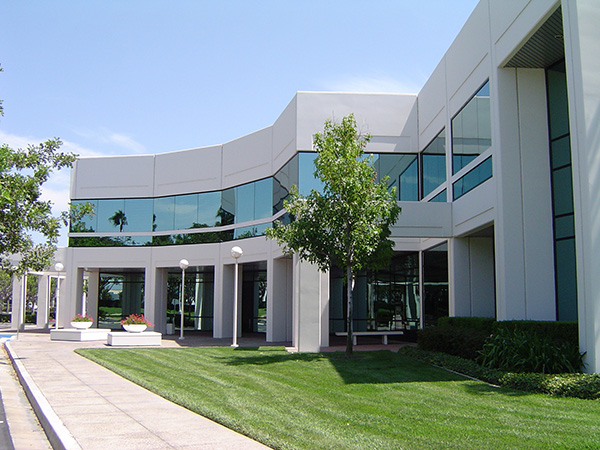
(348, 223)
(22, 173)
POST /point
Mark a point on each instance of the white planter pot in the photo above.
(81, 325)
(135, 328)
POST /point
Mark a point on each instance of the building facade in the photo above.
(497, 167)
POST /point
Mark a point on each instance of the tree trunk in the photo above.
(349, 347)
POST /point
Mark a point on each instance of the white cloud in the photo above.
(122, 141)
(372, 83)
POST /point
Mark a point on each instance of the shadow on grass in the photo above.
(480, 388)
(365, 368)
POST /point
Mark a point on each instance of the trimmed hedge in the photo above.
(578, 385)
(461, 342)
(454, 363)
(559, 331)
(483, 324)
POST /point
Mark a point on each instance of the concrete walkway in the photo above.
(85, 406)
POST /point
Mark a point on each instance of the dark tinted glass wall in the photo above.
(435, 284)
(472, 129)
(562, 192)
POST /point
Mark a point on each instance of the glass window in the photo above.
(433, 164)
(283, 182)
(89, 221)
(306, 178)
(562, 191)
(441, 197)
(186, 211)
(472, 129)
(263, 193)
(164, 214)
(409, 179)
(209, 205)
(566, 279)
(472, 179)
(227, 211)
(111, 215)
(435, 284)
(138, 214)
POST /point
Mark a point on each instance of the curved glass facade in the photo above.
(148, 221)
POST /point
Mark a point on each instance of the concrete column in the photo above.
(155, 304)
(279, 299)
(482, 286)
(16, 317)
(582, 34)
(459, 276)
(308, 304)
(43, 296)
(223, 312)
(523, 228)
(93, 291)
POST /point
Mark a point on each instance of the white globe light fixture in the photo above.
(183, 264)
(59, 267)
(236, 253)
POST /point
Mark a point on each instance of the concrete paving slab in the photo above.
(93, 407)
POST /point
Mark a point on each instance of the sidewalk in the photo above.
(84, 406)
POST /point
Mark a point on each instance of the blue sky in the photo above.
(147, 76)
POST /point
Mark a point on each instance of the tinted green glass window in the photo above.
(263, 193)
(138, 213)
(186, 211)
(244, 203)
(435, 284)
(164, 214)
(472, 129)
(409, 179)
(227, 211)
(88, 222)
(283, 181)
(563, 191)
(473, 178)
(561, 152)
(111, 215)
(306, 178)
(433, 164)
(441, 197)
(566, 279)
(209, 204)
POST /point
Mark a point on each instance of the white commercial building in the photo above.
(497, 167)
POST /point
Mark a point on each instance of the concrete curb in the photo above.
(59, 437)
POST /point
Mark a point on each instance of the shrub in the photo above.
(515, 350)
(462, 342)
(558, 331)
(483, 324)
(454, 363)
(580, 385)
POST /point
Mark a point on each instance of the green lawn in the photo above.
(379, 400)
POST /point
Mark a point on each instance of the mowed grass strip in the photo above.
(379, 400)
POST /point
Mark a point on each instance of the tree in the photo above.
(22, 173)
(348, 224)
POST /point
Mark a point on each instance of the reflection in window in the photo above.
(473, 178)
(441, 197)
(435, 284)
(198, 299)
(138, 214)
(283, 181)
(87, 223)
(409, 179)
(111, 215)
(472, 129)
(433, 164)
(119, 295)
(385, 299)
(306, 174)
